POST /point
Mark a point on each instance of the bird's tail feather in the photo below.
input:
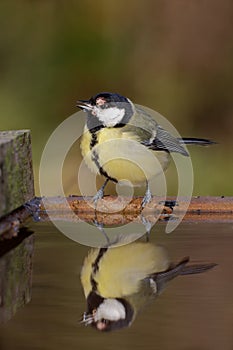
(196, 141)
(162, 278)
(199, 268)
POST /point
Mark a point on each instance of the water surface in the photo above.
(193, 313)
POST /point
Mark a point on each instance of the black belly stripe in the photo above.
(93, 132)
(93, 140)
(95, 266)
(95, 159)
(94, 284)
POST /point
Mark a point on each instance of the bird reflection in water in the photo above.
(118, 281)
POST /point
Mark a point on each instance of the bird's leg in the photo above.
(148, 196)
(100, 193)
(147, 224)
(101, 228)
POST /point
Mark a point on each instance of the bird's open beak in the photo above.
(84, 105)
(87, 319)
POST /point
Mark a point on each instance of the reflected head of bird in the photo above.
(108, 314)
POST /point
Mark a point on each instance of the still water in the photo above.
(194, 312)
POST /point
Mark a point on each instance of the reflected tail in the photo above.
(180, 269)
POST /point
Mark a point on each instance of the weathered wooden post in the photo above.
(16, 188)
(16, 174)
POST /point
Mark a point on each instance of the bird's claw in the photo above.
(147, 224)
(146, 199)
(97, 196)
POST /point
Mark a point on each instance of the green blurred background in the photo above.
(174, 56)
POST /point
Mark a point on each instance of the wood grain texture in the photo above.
(111, 204)
(16, 174)
(200, 209)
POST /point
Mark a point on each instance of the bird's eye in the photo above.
(104, 320)
(104, 106)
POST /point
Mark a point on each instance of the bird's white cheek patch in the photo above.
(153, 285)
(110, 309)
(110, 116)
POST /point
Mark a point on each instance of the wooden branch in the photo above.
(204, 209)
(10, 224)
(211, 209)
(111, 204)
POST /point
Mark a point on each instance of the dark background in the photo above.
(173, 56)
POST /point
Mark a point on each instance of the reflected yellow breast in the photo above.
(123, 268)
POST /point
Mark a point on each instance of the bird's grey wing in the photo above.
(164, 141)
(152, 135)
(161, 278)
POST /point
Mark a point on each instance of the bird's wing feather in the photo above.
(161, 278)
(152, 135)
(166, 142)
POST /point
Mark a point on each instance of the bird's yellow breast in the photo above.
(122, 156)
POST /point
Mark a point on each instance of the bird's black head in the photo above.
(110, 109)
(107, 99)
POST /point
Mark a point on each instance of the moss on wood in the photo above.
(16, 175)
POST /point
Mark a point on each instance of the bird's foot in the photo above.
(98, 195)
(147, 198)
(147, 224)
(169, 203)
(100, 227)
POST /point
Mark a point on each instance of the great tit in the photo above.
(119, 281)
(121, 139)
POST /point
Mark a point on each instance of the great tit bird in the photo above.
(119, 281)
(120, 141)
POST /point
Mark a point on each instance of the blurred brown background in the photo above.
(173, 56)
